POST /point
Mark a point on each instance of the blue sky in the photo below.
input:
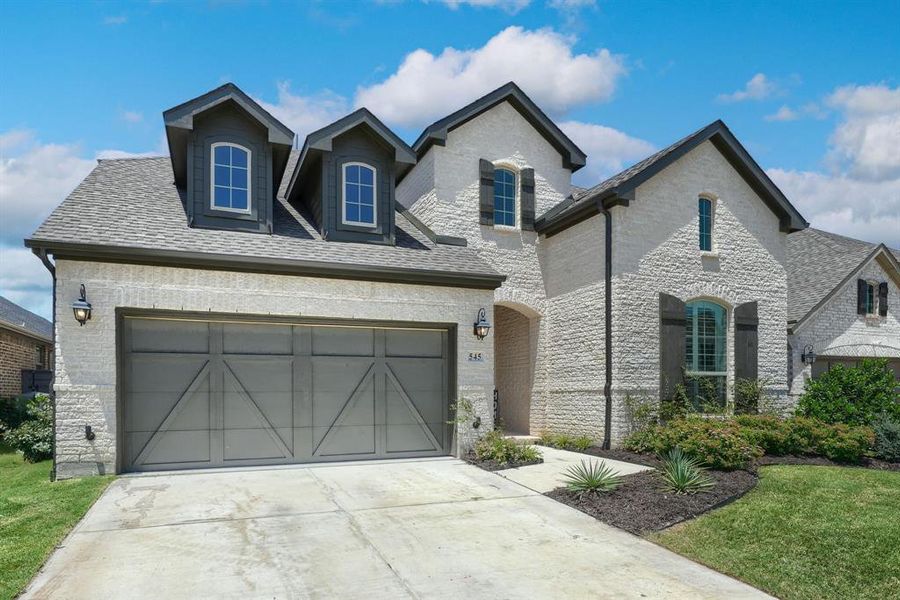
(811, 88)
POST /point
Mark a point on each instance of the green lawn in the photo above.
(805, 532)
(35, 515)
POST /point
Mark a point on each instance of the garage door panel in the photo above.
(245, 338)
(256, 443)
(343, 341)
(155, 335)
(184, 401)
(409, 438)
(345, 440)
(333, 382)
(421, 381)
(177, 447)
(163, 373)
(411, 342)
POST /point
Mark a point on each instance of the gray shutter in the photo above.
(882, 298)
(746, 340)
(527, 198)
(672, 321)
(486, 192)
(861, 296)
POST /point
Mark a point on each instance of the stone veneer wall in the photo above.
(836, 330)
(86, 361)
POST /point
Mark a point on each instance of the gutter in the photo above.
(42, 254)
(607, 316)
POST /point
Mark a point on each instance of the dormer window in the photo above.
(230, 178)
(358, 195)
(504, 198)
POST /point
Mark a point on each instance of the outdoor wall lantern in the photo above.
(82, 308)
(482, 327)
(809, 356)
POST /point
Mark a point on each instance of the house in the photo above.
(26, 351)
(843, 304)
(246, 302)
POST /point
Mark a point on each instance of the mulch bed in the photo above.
(625, 456)
(493, 465)
(640, 505)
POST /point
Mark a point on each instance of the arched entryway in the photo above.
(515, 349)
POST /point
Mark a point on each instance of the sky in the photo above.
(810, 88)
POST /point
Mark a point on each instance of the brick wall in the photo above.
(17, 352)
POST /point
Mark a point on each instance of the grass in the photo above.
(806, 532)
(35, 515)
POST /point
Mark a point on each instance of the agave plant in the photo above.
(591, 477)
(683, 474)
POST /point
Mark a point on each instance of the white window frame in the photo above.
(875, 298)
(212, 178)
(727, 342)
(344, 219)
(713, 204)
(516, 191)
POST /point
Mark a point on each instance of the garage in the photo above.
(206, 393)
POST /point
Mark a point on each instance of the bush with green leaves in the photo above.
(34, 435)
(887, 438)
(683, 474)
(12, 412)
(564, 441)
(494, 446)
(716, 443)
(591, 477)
(852, 395)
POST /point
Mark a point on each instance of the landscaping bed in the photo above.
(641, 505)
(490, 464)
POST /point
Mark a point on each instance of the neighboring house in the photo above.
(26, 351)
(254, 304)
(843, 304)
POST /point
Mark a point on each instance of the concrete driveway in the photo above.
(435, 528)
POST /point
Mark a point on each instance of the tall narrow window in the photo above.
(705, 211)
(359, 195)
(870, 298)
(504, 197)
(230, 178)
(705, 347)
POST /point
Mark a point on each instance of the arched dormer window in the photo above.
(358, 199)
(504, 197)
(230, 180)
(706, 340)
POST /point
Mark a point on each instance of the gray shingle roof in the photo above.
(20, 318)
(134, 204)
(818, 261)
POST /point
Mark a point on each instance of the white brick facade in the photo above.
(837, 331)
(86, 356)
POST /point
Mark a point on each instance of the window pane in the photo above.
(223, 155)
(705, 216)
(223, 176)
(366, 176)
(352, 194)
(222, 198)
(239, 199)
(367, 195)
(239, 178)
(352, 212)
(366, 214)
(705, 352)
(504, 197)
(238, 157)
(353, 174)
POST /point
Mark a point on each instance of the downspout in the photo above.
(42, 254)
(607, 274)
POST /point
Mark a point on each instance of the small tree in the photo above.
(852, 395)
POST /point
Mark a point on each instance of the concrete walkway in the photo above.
(550, 474)
(435, 528)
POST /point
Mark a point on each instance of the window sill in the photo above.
(709, 254)
(505, 228)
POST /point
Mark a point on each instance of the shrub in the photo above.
(591, 477)
(34, 436)
(714, 442)
(804, 436)
(12, 412)
(675, 407)
(683, 474)
(582, 443)
(750, 397)
(887, 438)
(771, 434)
(852, 395)
(493, 446)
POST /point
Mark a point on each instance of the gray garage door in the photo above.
(207, 394)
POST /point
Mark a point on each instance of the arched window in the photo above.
(358, 195)
(706, 224)
(504, 197)
(230, 179)
(705, 353)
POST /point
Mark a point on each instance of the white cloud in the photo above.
(428, 86)
(132, 116)
(25, 281)
(867, 142)
(868, 210)
(304, 114)
(810, 110)
(785, 113)
(758, 88)
(115, 20)
(570, 4)
(510, 6)
(609, 150)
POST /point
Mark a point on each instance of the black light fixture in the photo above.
(82, 308)
(809, 355)
(482, 327)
